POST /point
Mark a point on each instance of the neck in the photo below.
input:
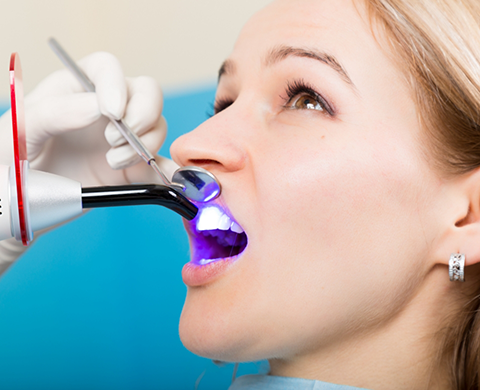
(401, 353)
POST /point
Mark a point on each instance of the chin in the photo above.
(204, 333)
(214, 333)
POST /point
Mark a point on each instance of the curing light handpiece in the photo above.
(139, 194)
(50, 199)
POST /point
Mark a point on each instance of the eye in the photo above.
(220, 104)
(302, 96)
(307, 102)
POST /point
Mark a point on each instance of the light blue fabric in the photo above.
(268, 382)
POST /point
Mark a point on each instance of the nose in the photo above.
(215, 145)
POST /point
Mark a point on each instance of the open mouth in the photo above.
(215, 236)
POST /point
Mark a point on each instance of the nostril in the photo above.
(197, 161)
(204, 163)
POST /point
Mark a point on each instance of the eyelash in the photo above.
(300, 87)
(221, 104)
(218, 105)
(293, 89)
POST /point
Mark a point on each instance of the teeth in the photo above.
(209, 218)
(206, 261)
(214, 233)
(213, 218)
(224, 223)
(235, 227)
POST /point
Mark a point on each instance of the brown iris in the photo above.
(307, 102)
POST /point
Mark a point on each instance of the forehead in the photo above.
(311, 21)
(341, 28)
(306, 14)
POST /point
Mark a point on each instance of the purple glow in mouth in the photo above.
(215, 236)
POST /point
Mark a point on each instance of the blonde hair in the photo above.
(438, 45)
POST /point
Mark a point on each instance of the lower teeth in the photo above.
(214, 245)
(205, 261)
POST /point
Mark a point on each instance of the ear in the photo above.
(462, 230)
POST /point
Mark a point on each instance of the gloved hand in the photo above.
(68, 132)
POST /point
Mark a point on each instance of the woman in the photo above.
(346, 138)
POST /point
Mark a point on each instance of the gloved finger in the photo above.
(143, 110)
(114, 138)
(59, 83)
(124, 156)
(141, 173)
(59, 114)
(104, 71)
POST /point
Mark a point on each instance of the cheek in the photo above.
(335, 224)
(329, 193)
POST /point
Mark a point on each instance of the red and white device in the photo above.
(31, 200)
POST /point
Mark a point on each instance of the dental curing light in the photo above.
(195, 183)
(137, 195)
(51, 199)
(32, 200)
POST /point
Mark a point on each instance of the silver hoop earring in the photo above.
(456, 267)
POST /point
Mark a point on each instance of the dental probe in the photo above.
(196, 183)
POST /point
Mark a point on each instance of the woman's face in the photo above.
(316, 144)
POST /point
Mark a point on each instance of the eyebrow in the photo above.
(280, 53)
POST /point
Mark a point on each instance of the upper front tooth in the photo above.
(213, 218)
(224, 222)
(209, 218)
(235, 227)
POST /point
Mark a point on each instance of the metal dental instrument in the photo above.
(194, 182)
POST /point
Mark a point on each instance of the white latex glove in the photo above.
(68, 132)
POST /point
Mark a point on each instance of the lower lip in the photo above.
(194, 275)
